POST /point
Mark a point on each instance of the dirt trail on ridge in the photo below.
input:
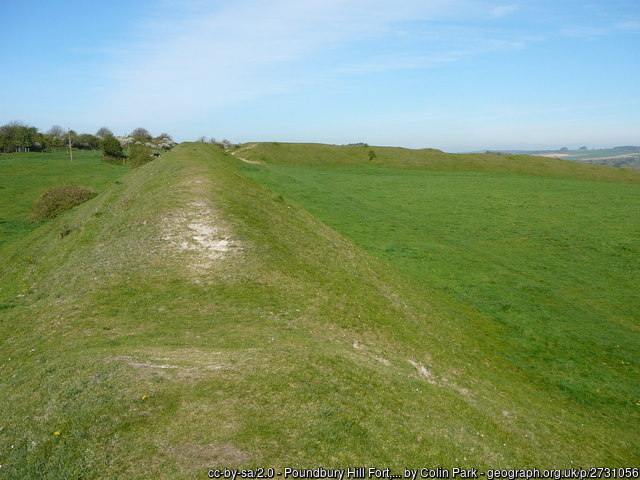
(246, 160)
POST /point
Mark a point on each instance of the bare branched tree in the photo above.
(103, 132)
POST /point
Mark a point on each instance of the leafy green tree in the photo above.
(87, 141)
(55, 137)
(41, 141)
(17, 137)
(111, 147)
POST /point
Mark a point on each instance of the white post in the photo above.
(70, 152)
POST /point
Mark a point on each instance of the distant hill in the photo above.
(311, 154)
(627, 156)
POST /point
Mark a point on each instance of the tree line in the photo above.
(18, 137)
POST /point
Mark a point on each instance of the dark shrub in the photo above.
(139, 155)
(111, 148)
(59, 199)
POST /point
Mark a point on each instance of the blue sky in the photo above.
(459, 75)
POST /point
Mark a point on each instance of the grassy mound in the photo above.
(60, 199)
(319, 155)
(194, 320)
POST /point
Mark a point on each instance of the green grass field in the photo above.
(553, 262)
(195, 319)
(25, 176)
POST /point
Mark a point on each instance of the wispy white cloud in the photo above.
(474, 46)
(583, 31)
(631, 25)
(504, 10)
(196, 56)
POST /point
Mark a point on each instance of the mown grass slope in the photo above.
(193, 319)
(311, 154)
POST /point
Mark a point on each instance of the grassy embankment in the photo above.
(545, 250)
(193, 319)
(313, 154)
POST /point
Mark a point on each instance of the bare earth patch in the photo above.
(422, 370)
(204, 456)
(358, 346)
(442, 381)
(197, 231)
(182, 363)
